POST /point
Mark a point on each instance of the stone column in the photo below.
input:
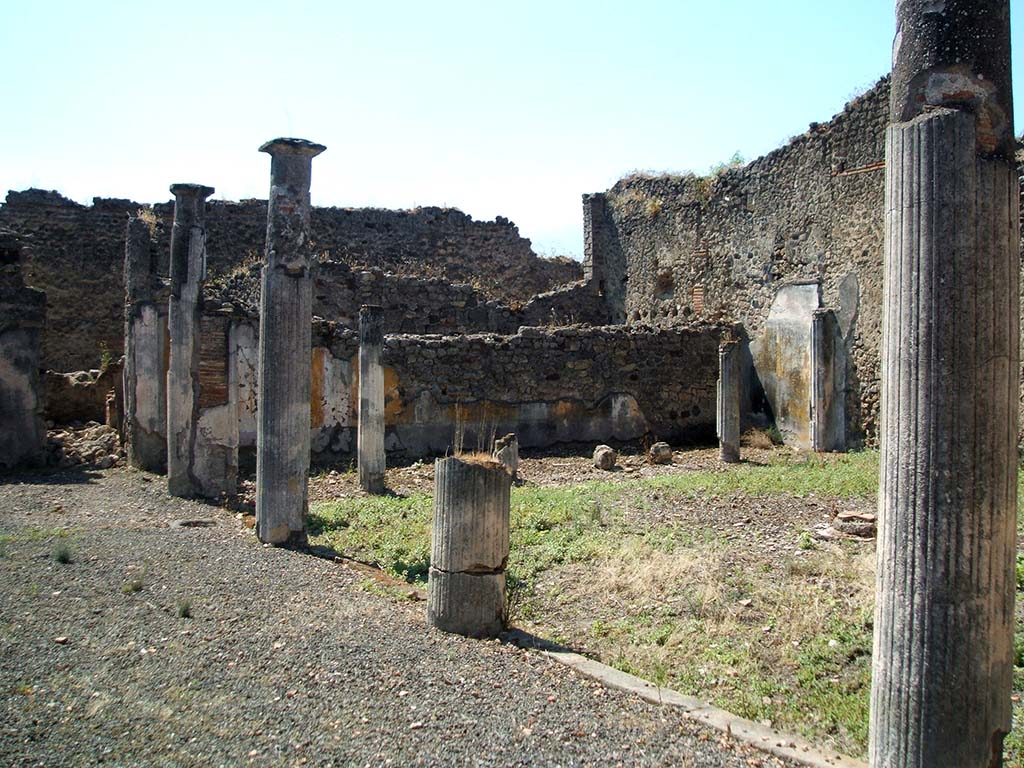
(729, 388)
(828, 383)
(188, 270)
(469, 547)
(593, 250)
(943, 645)
(145, 351)
(22, 319)
(371, 399)
(286, 324)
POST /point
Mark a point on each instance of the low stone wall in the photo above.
(548, 386)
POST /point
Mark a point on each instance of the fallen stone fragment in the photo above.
(506, 452)
(605, 457)
(661, 453)
(863, 526)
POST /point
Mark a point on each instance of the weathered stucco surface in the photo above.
(22, 317)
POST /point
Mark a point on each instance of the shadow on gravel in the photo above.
(78, 475)
(524, 639)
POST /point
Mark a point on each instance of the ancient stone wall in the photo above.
(78, 253)
(76, 256)
(547, 385)
(676, 249)
(551, 386)
(416, 305)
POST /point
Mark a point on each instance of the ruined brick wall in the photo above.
(441, 243)
(677, 249)
(78, 253)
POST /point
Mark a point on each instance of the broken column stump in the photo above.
(506, 453)
(469, 547)
(285, 357)
(728, 418)
(942, 664)
(188, 270)
(145, 354)
(22, 318)
(370, 438)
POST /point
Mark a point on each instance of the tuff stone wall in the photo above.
(677, 249)
(78, 253)
(76, 257)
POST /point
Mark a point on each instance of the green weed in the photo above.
(390, 532)
(61, 552)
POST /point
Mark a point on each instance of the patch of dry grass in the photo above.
(785, 640)
(481, 458)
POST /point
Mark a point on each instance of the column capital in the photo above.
(287, 146)
(181, 190)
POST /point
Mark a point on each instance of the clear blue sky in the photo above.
(496, 108)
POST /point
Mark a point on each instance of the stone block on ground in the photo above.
(661, 453)
(605, 457)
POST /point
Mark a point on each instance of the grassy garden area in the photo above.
(713, 582)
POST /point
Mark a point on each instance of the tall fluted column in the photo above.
(371, 400)
(286, 317)
(188, 269)
(943, 657)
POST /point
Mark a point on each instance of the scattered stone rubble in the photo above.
(91, 444)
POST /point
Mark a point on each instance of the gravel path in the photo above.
(286, 659)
